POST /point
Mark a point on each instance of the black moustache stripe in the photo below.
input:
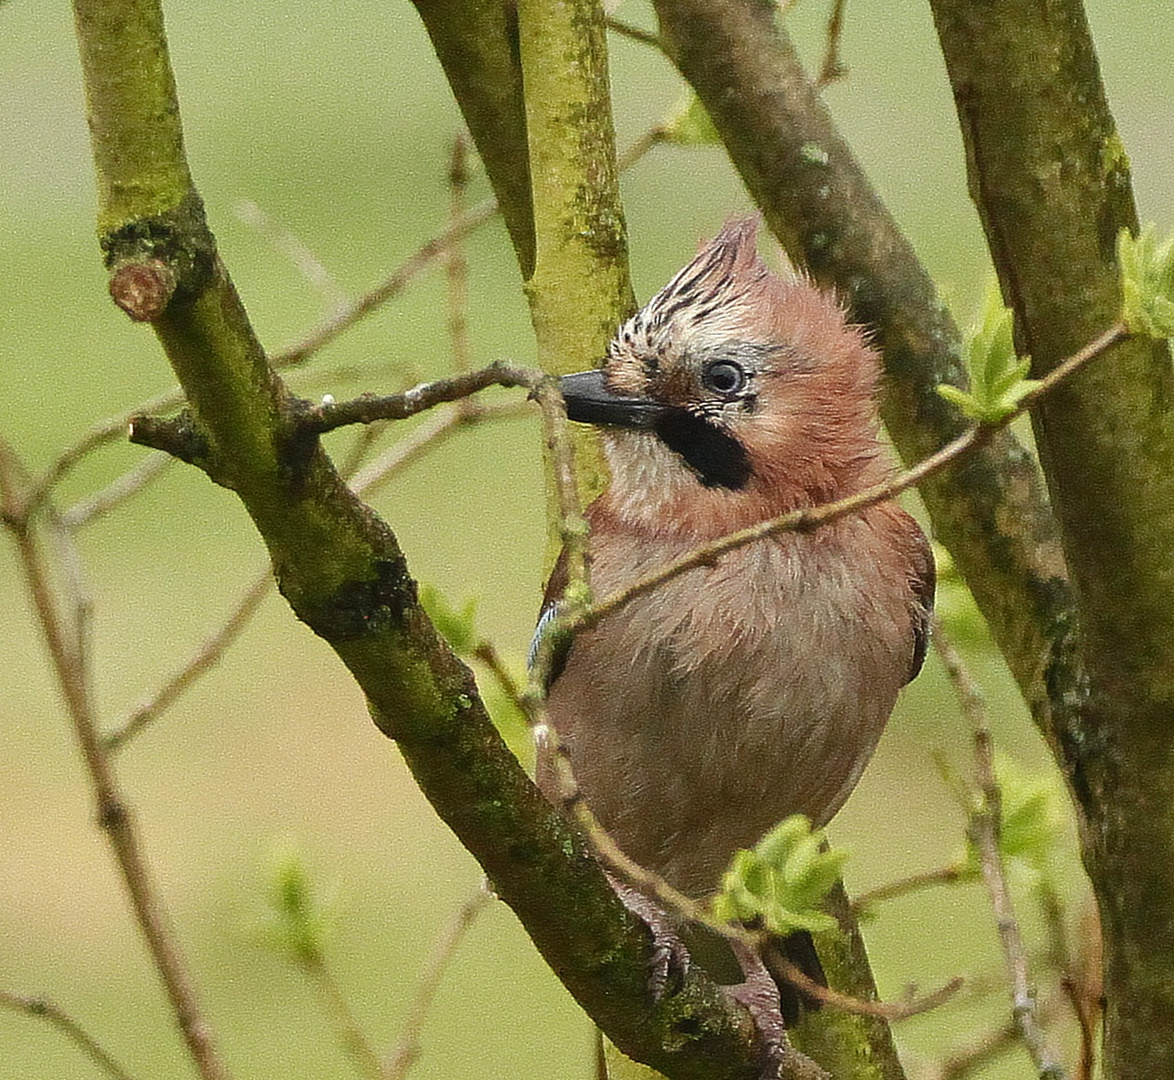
(717, 458)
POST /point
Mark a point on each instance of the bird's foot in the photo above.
(759, 995)
(670, 958)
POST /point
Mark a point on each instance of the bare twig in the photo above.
(117, 491)
(391, 286)
(833, 66)
(285, 241)
(105, 431)
(113, 812)
(966, 1060)
(44, 1009)
(346, 1025)
(813, 517)
(572, 526)
(486, 652)
(456, 264)
(407, 1049)
(943, 875)
(328, 415)
(634, 33)
(984, 827)
(204, 660)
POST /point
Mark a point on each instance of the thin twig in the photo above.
(572, 526)
(351, 1035)
(113, 812)
(407, 1050)
(207, 657)
(984, 828)
(391, 286)
(486, 652)
(117, 491)
(44, 1009)
(634, 33)
(103, 432)
(297, 251)
(811, 517)
(456, 264)
(329, 415)
(833, 67)
(943, 875)
(966, 1060)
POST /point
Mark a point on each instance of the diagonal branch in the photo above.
(53, 1014)
(986, 821)
(62, 622)
(808, 518)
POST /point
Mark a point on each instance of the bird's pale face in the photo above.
(735, 391)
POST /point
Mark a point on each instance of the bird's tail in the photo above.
(798, 950)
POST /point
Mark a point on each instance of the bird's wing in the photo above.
(922, 580)
(555, 585)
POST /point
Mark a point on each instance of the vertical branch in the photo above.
(456, 263)
(984, 829)
(1050, 177)
(579, 290)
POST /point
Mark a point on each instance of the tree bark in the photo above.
(1050, 178)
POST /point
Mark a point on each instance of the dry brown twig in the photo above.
(407, 1050)
(983, 829)
(943, 875)
(62, 612)
(44, 1009)
(289, 244)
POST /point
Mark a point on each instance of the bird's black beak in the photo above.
(589, 401)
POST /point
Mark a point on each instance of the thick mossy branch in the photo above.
(580, 289)
(341, 569)
(1050, 178)
(477, 44)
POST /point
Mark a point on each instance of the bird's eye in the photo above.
(724, 377)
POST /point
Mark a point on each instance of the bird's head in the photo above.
(733, 395)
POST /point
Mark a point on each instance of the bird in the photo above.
(740, 692)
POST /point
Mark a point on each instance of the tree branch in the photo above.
(64, 634)
(366, 409)
(53, 1014)
(984, 828)
(343, 573)
(1050, 178)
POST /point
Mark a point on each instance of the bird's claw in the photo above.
(759, 995)
(669, 962)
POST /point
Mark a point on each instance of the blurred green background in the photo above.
(337, 122)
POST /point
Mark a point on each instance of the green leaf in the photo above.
(689, 124)
(457, 627)
(1033, 819)
(1147, 282)
(782, 881)
(297, 921)
(1033, 814)
(997, 375)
